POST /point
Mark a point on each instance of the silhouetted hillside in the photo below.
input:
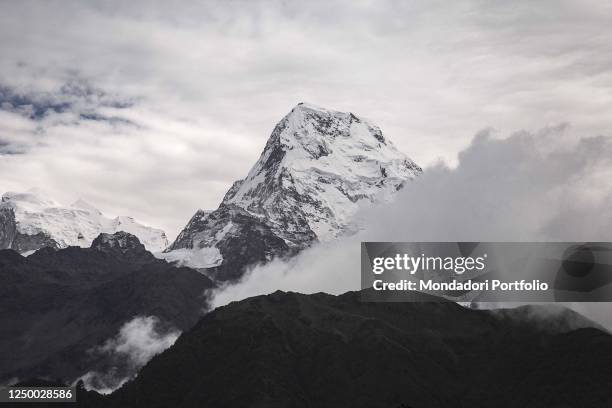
(56, 306)
(293, 350)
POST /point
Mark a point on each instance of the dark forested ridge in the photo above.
(293, 350)
(56, 305)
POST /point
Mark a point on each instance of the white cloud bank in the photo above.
(544, 186)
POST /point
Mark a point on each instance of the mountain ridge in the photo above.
(30, 221)
(290, 349)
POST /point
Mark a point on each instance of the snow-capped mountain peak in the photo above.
(29, 221)
(316, 170)
(321, 164)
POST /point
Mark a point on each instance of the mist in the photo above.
(138, 340)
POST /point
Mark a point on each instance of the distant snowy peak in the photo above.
(317, 169)
(29, 221)
(32, 200)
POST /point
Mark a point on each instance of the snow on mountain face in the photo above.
(318, 167)
(29, 221)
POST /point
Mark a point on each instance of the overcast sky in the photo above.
(154, 109)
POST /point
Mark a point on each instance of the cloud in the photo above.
(137, 342)
(6, 147)
(74, 95)
(331, 267)
(543, 186)
(208, 81)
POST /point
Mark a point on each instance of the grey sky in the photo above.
(153, 108)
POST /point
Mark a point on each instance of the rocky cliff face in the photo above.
(317, 169)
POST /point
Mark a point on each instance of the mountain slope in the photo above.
(318, 167)
(293, 350)
(29, 221)
(57, 306)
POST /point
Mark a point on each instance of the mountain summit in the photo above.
(318, 167)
